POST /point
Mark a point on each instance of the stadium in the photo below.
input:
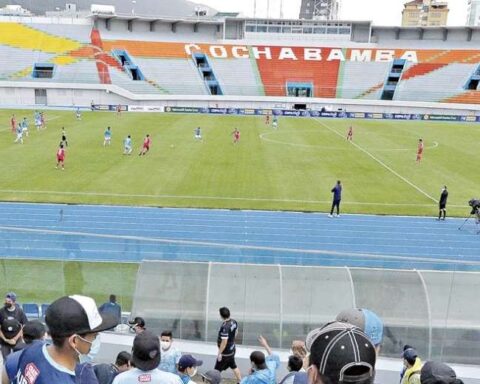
(186, 159)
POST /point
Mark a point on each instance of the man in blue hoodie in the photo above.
(263, 369)
(337, 197)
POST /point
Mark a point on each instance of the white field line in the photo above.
(226, 198)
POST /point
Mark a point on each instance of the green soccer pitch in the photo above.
(292, 168)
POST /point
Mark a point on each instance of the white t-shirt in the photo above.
(155, 376)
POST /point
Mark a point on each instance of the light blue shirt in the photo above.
(169, 360)
(127, 142)
(264, 376)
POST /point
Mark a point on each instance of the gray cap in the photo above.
(213, 376)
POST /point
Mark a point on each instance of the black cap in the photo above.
(146, 351)
(76, 315)
(188, 361)
(213, 376)
(140, 321)
(434, 372)
(342, 352)
(10, 328)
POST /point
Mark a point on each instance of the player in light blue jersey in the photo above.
(19, 131)
(78, 114)
(275, 122)
(38, 120)
(198, 133)
(107, 137)
(127, 145)
(24, 125)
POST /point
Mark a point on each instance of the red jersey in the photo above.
(13, 121)
(236, 134)
(146, 142)
(420, 148)
(60, 154)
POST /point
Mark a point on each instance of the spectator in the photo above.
(226, 344)
(107, 372)
(298, 348)
(263, 369)
(137, 325)
(367, 321)
(297, 374)
(340, 353)
(212, 377)
(170, 355)
(337, 197)
(11, 310)
(11, 331)
(187, 368)
(412, 366)
(146, 358)
(73, 323)
(33, 332)
(438, 373)
(112, 307)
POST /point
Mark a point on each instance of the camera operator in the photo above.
(475, 204)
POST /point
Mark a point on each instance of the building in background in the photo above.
(473, 18)
(425, 13)
(319, 9)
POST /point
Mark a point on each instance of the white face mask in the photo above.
(165, 344)
(193, 373)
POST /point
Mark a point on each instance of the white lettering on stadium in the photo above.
(307, 54)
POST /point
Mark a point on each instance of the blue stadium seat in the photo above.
(31, 310)
(44, 308)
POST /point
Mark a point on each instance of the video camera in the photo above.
(475, 204)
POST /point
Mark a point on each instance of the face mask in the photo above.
(193, 373)
(94, 348)
(165, 344)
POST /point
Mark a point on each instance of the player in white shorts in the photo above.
(19, 134)
(24, 124)
(127, 145)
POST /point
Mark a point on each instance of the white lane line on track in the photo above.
(236, 246)
(387, 167)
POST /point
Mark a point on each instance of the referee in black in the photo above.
(442, 204)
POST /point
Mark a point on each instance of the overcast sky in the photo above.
(381, 12)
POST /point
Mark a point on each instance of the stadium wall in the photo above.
(64, 95)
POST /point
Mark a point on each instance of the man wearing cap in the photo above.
(12, 336)
(187, 368)
(11, 310)
(73, 323)
(412, 365)
(145, 358)
(212, 377)
(340, 353)
(137, 325)
(33, 332)
(263, 370)
(434, 372)
(368, 321)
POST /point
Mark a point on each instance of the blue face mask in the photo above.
(94, 349)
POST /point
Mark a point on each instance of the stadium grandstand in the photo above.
(227, 140)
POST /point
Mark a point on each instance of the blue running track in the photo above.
(132, 234)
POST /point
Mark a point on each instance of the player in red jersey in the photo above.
(61, 157)
(42, 120)
(350, 134)
(119, 109)
(419, 150)
(13, 123)
(267, 118)
(236, 136)
(146, 145)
